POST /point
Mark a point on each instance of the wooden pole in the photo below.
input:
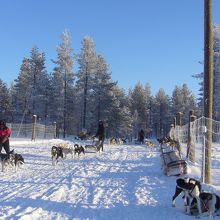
(192, 155)
(34, 122)
(179, 118)
(208, 84)
(55, 130)
(191, 112)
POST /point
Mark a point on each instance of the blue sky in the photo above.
(152, 41)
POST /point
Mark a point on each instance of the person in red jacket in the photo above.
(5, 133)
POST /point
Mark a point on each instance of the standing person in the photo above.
(141, 136)
(5, 133)
(101, 133)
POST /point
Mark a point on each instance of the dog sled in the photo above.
(172, 164)
(95, 146)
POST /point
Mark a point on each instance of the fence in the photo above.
(33, 131)
(192, 140)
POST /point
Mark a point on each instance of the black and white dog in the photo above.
(78, 149)
(56, 153)
(210, 204)
(12, 159)
(66, 148)
(191, 189)
(163, 140)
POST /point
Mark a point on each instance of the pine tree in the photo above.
(118, 114)
(38, 81)
(149, 125)
(64, 73)
(138, 106)
(57, 98)
(5, 100)
(161, 113)
(200, 77)
(183, 101)
(30, 87)
(102, 90)
(22, 93)
(85, 78)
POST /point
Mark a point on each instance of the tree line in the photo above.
(76, 101)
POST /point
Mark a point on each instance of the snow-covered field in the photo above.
(123, 182)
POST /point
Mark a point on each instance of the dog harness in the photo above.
(195, 183)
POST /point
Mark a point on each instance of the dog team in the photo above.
(196, 201)
(60, 151)
(16, 160)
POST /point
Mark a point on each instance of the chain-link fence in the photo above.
(192, 138)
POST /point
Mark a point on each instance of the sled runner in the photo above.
(172, 164)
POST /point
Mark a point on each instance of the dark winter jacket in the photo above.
(141, 136)
(101, 131)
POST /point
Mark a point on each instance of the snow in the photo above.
(123, 182)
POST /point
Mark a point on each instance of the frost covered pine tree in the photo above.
(183, 101)
(189, 102)
(161, 113)
(177, 100)
(200, 77)
(102, 95)
(62, 82)
(38, 82)
(149, 125)
(138, 106)
(5, 100)
(85, 80)
(30, 87)
(119, 117)
(22, 93)
(109, 104)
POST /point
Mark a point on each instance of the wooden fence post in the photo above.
(34, 122)
(191, 143)
(179, 118)
(174, 122)
(55, 130)
(178, 127)
(191, 112)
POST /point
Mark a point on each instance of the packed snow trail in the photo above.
(123, 182)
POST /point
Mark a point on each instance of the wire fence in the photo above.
(33, 131)
(192, 138)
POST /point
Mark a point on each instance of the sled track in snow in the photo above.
(123, 181)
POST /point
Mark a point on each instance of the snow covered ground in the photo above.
(124, 182)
